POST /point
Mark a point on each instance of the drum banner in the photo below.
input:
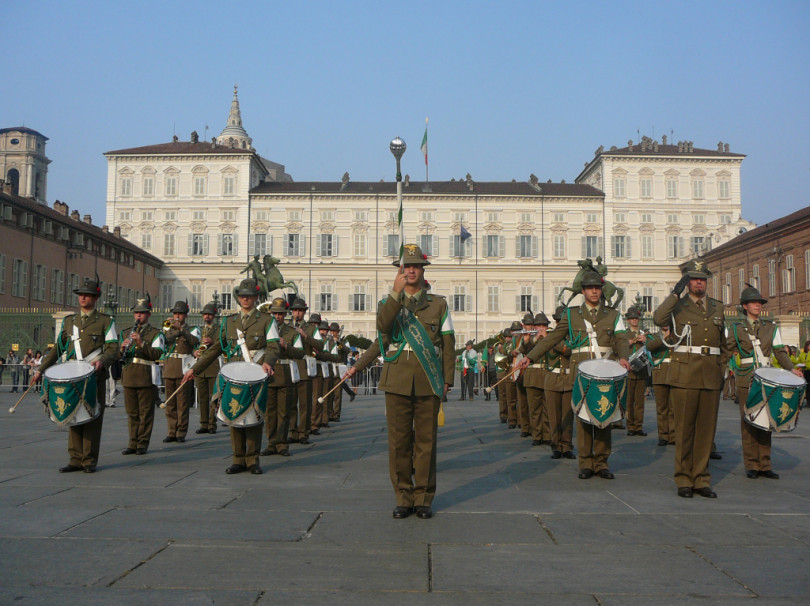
(236, 399)
(782, 403)
(64, 398)
(600, 398)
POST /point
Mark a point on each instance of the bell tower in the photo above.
(23, 163)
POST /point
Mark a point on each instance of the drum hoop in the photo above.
(89, 372)
(780, 372)
(82, 401)
(621, 375)
(242, 381)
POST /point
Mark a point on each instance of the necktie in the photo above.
(411, 303)
(756, 326)
(700, 306)
(593, 316)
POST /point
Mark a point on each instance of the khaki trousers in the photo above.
(538, 415)
(635, 403)
(560, 419)
(300, 422)
(412, 432)
(665, 415)
(277, 419)
(503, 413)
(316, 408)
(593, 445)
(208, 412)
(177, 407)
(695, 423)
(756, 442)
(337, 402)
(510, 392)
(524, 422)
(246, 443)
(139, 402)
(84, 441)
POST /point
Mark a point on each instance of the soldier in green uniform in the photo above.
(509, 386)
(207, 379)
(323, 382)
(696, 375)
(636, 381)
(260, 337)
(469, 358)
(308, 341)
(341, 350)
(753, 342)
(141, 348)
(524, 421)
(502, 366)
(417, 335)
(282, 391)
(557, 389)
(592, 320)
(661, 363)
(98, 340)
(181, 341)
(534, 378)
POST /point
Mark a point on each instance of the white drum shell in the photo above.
(601, 369)
(242, 373)
(68, 372)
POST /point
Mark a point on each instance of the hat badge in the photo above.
(411, 248)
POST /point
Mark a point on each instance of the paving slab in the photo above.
(35, 522)
(127, 497)
(767, 571)
(104, 596)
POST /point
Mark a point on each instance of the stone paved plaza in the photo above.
(511, 525)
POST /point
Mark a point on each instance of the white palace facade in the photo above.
(205, 208)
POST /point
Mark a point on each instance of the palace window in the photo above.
(2, 274)
(230, 215)
(19, 278)
(360, 244)
(168, 245)
(493, 298)
(199, 185)
(227, 245)
(327, 214)
(198, 245)
(591, 246)
(526, 247)
(646, 218)
(170, 215)
(38, 281)
(146, 240)
(196, 296)
(459, 248)
(672, 219)
(526, 301)
(171, 185)
(672, 188)
(494, 246)
(559, 218)
(229, 185)
(148, 186)
(429, 245)
(259, 244)
(57, 286)
(675, 247)
(360, 216)
(327, 245)
(771, 278)
(646, 188)
(697, 244)
(493, 216)
(326, 299)
(294, 245)
(261, 215)
(755, 276)
(427, 216)
(527, 218)
(723, 189)
(697, 189)
(391, 245)
(559, 247)
(591, 218)
(646, 246)
(167, 295)
(621, 247)
(620, 217)
(198, 215)
(788, 275)
(294, 215)
(619, 187)
(461, 300)
(359, 302)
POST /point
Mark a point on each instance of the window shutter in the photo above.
(270, 244)
(235, 252)
(335, 239)
(584, 246)
(302, 247)
(484, 247)
(502, 246)
(205, 245)
(627, 251)
(656, 303)
(434, 245)
(334, 302)
(316, 304)
(613, 246)
(190, 244)
(252, 244)
(368, 302)
(452, 246)
(535, 306)
(680, 246)
(517, 303)
(14, 278)
(534, 246)
(600, 245)
(220, 244)
(318, 245)
(468, 244)
(467, 302)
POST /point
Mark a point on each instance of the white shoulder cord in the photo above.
(686, 334)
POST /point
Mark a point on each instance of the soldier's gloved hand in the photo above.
(678, 288)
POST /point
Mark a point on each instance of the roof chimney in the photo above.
(74, 214)
(117, 231)
(88, 219)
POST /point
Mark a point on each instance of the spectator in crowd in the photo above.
(14, 363)
(35, 362)
(26, 365)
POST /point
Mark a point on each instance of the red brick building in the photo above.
(47, 252)
(774, 257)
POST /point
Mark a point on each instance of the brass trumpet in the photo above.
(167, 325)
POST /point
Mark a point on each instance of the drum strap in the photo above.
(592, 342)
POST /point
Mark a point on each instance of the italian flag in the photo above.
(423, 147)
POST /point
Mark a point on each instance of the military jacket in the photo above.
(404, 375)
(259, 331)
(558, 358)
(368, 357)
(213, 332)
(308, 345)
(139, 359)
(181, 342)
(572, 329)
(741, 338)
(633, 348)
(326, 355)
(693, 369)
(98, 333)
(282, 376)
(534, 377)
(661, 359)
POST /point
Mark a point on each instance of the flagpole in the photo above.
(424, 148)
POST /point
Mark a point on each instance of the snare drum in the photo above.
(242, 393)
(774, 399)
(639, 361)
(600, 392)
(69, 392)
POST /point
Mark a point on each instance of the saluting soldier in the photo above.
(557, 389)
(696, 375)
(260, 337)
(753, 341)
(580, 325)
(636, 381)
(141, 348)
(419, 366)
(206, 380)
(534, 379)
(98, 340)
(308, 341)
(661, 363)
(181, 341)
(282, 391)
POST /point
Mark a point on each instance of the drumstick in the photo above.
(25, 393)
(342, 381)
(508, 375)
(163, 404)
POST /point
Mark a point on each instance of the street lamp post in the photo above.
(398, 149)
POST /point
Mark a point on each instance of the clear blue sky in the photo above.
(511, 88)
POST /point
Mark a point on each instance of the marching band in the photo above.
(259, 372)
